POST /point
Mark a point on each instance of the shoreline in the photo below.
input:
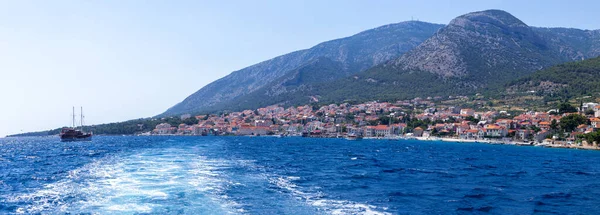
(397, 138)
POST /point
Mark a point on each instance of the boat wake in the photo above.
(318, 199)
(170, 182)
(179, 181)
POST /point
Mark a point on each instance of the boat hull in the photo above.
(75, 139)
(71, 135)
(353, 138)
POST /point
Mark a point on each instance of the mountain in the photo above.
(481, 48)
(573, 79)
(574, 44)
(478, 52)
(293, 88)
(351, 55)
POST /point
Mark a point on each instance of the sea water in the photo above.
(261, 175)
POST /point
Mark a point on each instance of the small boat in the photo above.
(72, 134)
(354, 137)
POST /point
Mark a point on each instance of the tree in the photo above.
(589, 112)
(349, 117)
(434, 131)
(566, 108)
(472, 119)
(535, 128)
(570, 122)
(592, 137)
(373, 122)
(190, 121)
(385, 120)
(553, 124)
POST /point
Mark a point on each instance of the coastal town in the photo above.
(415, 119)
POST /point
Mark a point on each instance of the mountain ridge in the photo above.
(356, 53)
(475, 52)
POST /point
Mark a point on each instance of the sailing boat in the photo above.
(72, 134)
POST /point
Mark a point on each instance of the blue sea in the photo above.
(243, 175)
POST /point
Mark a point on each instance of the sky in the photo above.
(132, 59)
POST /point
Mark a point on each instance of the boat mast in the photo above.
(81, 118)
(73, 117)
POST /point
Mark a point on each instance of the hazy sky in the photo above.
(131, 59)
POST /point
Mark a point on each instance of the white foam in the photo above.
(131, 208)
(127, 184)
(328, 205)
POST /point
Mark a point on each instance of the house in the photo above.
(495, 131)
(370, 131)
(417, 132)
(597, 111)
(523, 134)
(468, 112)
(439, 126)
(509, 124)
(461, 128)
(541, 136)
(481, 133)
(245, 130)
(595, 122)
(252, 130)
(398, 129)
(470, 134)
(263, 123)
(164, 128)
(383, 130)
(544, 125)
(582, 128)
(588, 106)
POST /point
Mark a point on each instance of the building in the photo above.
(164, 129)
(495, 131)
(588, 106)
(417, 132)
(523, 134)
(468, 111)
(383, 130)
(252, 130)
(470, 134)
